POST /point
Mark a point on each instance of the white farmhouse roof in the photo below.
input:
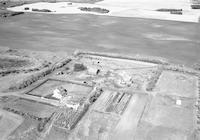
(178, 102)
(57, 94)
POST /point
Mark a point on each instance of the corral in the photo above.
(46, 88)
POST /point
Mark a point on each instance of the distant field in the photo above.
(105, 34)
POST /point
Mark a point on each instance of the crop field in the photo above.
(166, 119)
(128, 36)
(31, 107)
(48, 86)
(8, 123)
(115, 102)
(69, 118)
(96, 126)
(172, 83)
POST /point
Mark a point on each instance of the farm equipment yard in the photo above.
(92, 96)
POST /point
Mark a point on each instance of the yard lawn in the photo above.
(50, 85)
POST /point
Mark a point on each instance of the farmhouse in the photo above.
(59, 93)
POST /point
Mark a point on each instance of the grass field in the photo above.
(32, 108)
(96, 126)
(126, 128)
(172, 83)
(7, 63)
(8, 123)
(27, 130)
(57, 133)
(164, 119)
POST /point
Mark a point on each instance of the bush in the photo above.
(195, 6)
(26, 8)
(169, 10)
(38, 76)
(9, 13)
(16, 13)
(94, 97)
(176, 12)
(41, 10)
(42, 124)
(153, 80)
(94, 9)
